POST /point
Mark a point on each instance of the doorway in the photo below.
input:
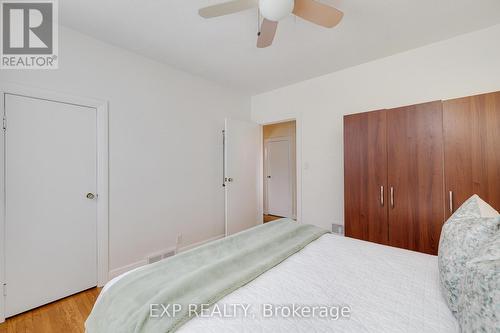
(54, 217)
(280, 174)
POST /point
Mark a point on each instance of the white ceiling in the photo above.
(223, 49)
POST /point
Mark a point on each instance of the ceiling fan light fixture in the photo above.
(275, 10)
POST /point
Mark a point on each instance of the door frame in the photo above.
(287, 139)
(102, 119)
(298, 156)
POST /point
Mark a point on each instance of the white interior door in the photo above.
(242, 160)
(278, 178)
(50, 166)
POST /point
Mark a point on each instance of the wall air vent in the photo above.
(160, 255)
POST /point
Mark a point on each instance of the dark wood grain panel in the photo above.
(365, 171)
(472, 149)
(415, 172)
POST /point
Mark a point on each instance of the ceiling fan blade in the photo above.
(266, 34)
(318, 13)
(226, 8)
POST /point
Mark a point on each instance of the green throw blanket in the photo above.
(200, 276)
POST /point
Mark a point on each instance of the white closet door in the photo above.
(278, 178)
(242, 151)
(50, 167)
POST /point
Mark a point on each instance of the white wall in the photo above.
(462, 66)
(165, 142)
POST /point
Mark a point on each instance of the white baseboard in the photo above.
(124, 269)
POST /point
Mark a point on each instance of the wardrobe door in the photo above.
(365, 176)
(472, 149)
(415, 176)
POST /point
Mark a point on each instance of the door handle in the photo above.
(90, 196)
(392, 197)
(382, 196)
(451, 201)
(223, 158)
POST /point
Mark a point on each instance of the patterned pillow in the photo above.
(474, 207)
(462, 236)
(479, 303)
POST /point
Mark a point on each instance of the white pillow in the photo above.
(463, 235)
(474, 207)
(479, 303)
(485, 209)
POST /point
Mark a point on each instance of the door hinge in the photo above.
(5, 289)
(4, 124)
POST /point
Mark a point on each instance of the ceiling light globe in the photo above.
(275, 10)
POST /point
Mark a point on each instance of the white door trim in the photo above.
(298, 146)
(102, 174)
(288, 139)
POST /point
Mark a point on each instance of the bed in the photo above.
(386, 289)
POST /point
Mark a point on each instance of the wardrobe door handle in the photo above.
(224, 158)
(451, 202)
(382, 196)
(392, 197)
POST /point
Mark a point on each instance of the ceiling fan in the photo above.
(275, 10)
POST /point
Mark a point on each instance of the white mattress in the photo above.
(387, 289)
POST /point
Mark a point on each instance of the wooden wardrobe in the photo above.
(407, 169)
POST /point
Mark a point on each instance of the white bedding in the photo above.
(387, 289)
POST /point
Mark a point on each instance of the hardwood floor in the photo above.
(67, 315)
(269, 218)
